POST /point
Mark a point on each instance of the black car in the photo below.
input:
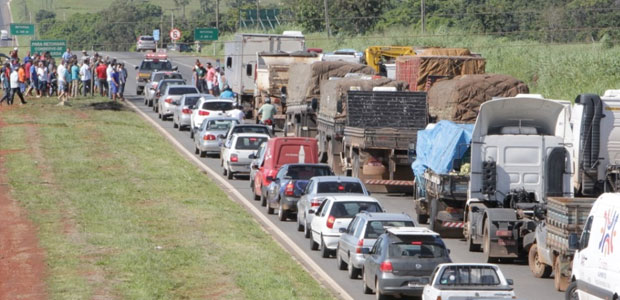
(286, 188)
(402, 261)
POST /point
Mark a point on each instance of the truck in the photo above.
(365, 126)
(441, 177)
(520, 156)
(272, 74)
(241, 61)
(594, 157)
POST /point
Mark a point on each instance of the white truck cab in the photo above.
(595, 273)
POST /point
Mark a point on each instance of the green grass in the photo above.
(121, 214)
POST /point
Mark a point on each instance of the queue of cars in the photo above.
(338, 215)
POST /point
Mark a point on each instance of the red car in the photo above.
(281, 151)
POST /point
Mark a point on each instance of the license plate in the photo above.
(415, 284)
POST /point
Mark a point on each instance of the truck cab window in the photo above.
(229, 62)
(248, 69)
(585, 236)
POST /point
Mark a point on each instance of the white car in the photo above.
(4, 35)
(237, 155)
(334, 213)
(208, 106)
(468, 281)
(167, 101)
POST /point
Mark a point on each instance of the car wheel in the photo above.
(324, 251)
(300, 227)
(378, 294)
(263, 200)
(224, 171)
(282, 214)
(269, 208)
(571, 292)
(229, 175)
(339, 262)
(150, 103)
(313, 245)
(159, 115)
(354, 272)
(174, 124)
(145, 101)
(538, 268)
(307, 230)
(196, 150)
(365, 287)
(203, 153)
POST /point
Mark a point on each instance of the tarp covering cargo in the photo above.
(447, 51)
(334, 92)
(419, 71)
(458, 99)
(436, 148)
(305, 79)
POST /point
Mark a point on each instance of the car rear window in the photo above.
(340, 187)
(189, 101)
(182, 90)
(147, 38)
(351, 208)
(161, 76)
(155, 65)
(249, 143)
(219, 124)
(250, 129)
(307, 172)
(469, 275)
(375, 228)
(165, 84)
(289, 154)
(217, 105)
(417, 246)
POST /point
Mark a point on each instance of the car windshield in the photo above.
(417, 246)
(340, 187)
(307, 172)
(251, 129)
(149, 65)
(469, 275)
(165, 84)
(349, 209)
(161, 76)
(189, 101)
(182, 90)
(249, 142)
(219, 124)
(147, 38)
(217, 105)
(375, 228)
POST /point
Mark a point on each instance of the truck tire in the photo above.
(560, 282)
(571, 292)
(486, 240)
(470, 240)
(538, 268)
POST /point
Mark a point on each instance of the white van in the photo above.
(4, 35)
(597, 252)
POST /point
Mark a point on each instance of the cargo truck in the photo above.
(241, 61)
(366, 133)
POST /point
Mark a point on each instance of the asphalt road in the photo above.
(526, 286)
(5, 21)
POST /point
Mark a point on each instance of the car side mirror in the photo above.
(366, 251)
(573, 242)
(369, 193)
(342, 230)
(175, 68)
(270, 178)
(192, 107)
(221, 136)
(510, 282)
(311, 211)
(137, 67)
(254, 167)
(252, 156)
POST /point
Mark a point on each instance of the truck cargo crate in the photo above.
(568, 213)
(406, 110)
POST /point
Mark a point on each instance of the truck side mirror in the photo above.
(475, 209)
(573, 242)
(510, 282)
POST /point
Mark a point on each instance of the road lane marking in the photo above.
(306, 261)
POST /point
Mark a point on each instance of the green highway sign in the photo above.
(55, 47)
(206, 34)
(22, 29)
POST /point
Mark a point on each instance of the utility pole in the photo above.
(217, 14)
(327, 28)
(423, 19)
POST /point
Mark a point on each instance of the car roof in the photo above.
(251, 125)
(250, 134)
(192, 95)
(180, 86)
(411, 231)
(336, 179)
(468, 265)
(386, 216)
(356, 197)
(221, 99)
(308, 164)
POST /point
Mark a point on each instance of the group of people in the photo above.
(209, 79)
(39, 76)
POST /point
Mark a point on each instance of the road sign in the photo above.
(206, 34)
(22, 29)
(156, 34)
(175, 34)
(55, 47)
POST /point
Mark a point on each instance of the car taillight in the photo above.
(234, 158)
(187, 111)
(289, 190)
(169, 100)
(209, 137)
(330, 221)
(386, 267)
(503, 233)
(203, 113)
(316, 201)
(439, 298)
(360, 245)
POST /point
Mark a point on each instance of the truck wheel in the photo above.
(470, 240)
(486, 240)
(571, 292)
(560, 282)
(538, 268)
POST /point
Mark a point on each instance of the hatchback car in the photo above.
(235, 158)
(165, 104)
(285, 189)
(257, 160)
(361, 235)
(207, 139)
(161, 88)
(146, 42)
(334, 213)
(245, 128)
(402, 261)
(181, 115)
(468, 281)
(209, 106)
(317, 189)
(4, 35)
(150, 89)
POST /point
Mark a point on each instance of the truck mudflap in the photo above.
(389, 182)
(502, 234)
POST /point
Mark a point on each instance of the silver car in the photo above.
(235, 157)
(183, 110)
(146, 42)
(150, 89)
(361, 234)
(207, 139)
(317, 189)
(165, 104)
(161, 87)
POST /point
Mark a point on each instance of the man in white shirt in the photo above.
(109, 71)
(62, 83)
(14, 78)
(85, 76)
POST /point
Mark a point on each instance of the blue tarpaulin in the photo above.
(436, 148)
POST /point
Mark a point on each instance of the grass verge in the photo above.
(122, 215)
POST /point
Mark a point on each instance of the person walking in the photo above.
(75, 77)
(34, 79)
(21, 72)
(102, 82)
(85, 77)
(62, 83)
(15, 88)
(6, 82)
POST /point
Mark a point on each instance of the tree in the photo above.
(182, 4)
(44, 15)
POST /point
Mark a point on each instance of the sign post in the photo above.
(206, 34)
(55, 47)
(22, 29)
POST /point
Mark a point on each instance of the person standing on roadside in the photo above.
(34, 79)
(102, 82)
(75, 77)
(21, 72)
(109, 72)
(85, 77)
(42, 75)
(67, 55)
(62, 83)
(122, 75)
(6, 82)
(114, 83)
(15, 88)
(210, 78)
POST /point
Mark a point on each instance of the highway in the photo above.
(5, 21)
(526, 286)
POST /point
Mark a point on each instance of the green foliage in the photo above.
(44, 15)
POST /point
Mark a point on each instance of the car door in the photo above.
(373, 261)
(346, 239)
(430, 291)
(302, 203)
(319, 218)
(274, 187)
